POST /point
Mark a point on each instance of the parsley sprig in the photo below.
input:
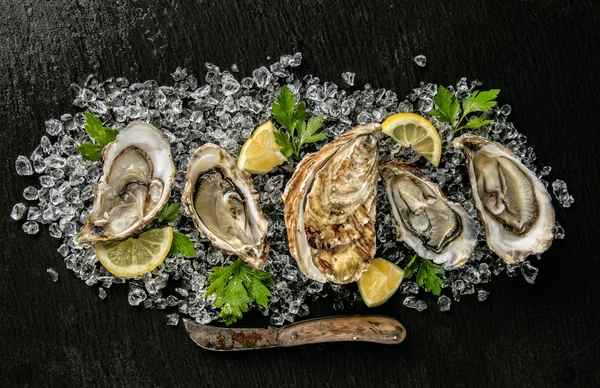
(292, 116)
(429, 275)
(448, 108)
(236, 286)
(169, 214)
(98, 132)
(181, 243)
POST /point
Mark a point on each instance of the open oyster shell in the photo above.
(222, 201)
(135, 185)
(435, 227)
(330, 207)
(512, 202)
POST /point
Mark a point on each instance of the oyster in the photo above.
(512, 202)
(435, 227)
(135, 185)
(222, 201)
(330, 207)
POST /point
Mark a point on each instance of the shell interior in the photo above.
(136, 184)
(505, 190)
(436, 228)
(222, 208)
(222, 202)
(512, 202)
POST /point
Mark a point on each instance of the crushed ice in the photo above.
(559, 188)
(53, 274)
(223, 109)
(420, 60)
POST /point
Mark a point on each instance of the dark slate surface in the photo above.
(540, 53)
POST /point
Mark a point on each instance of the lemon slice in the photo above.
(260, 153)
(379, 282)
(412, 130)
(135, 256)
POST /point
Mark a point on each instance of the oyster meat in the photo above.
(435, 227)
(222, 201)
(512, 202)
(330, 207)
(135, 185)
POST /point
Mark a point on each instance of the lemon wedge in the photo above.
(379, 282)
(136, 255)
(260, 153)
(412, 130)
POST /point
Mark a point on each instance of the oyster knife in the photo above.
(366, 328)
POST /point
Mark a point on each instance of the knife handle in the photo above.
(366, 328)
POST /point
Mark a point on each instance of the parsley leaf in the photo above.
(256, 283)
(300, 113)
(169, 213)
(283, 141)
(447, 104)
(182, 244)
(476, 122)
(308, 132)
(448, 108)
(236, 286)
(292, 117)
(480, 101)
(101, 134)
(94, 128)
(429, 275)
(283, 109)
(90, 151)
(411, 267)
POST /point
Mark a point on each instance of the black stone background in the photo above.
(543, 54)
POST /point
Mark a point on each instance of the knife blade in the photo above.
(366, 328)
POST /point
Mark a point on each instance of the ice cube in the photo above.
(276, 320)
(559, 231)
(444, 303)
(54, 127)
(364, 117)
(63, 250)
(47, 181)
(529, 272)
(247, 82)
(136, 296)
(230, 84)
(34, 213)
(348, 78)
(46, 144)
(414, 303)
(53, 274)
(173, 319)
(409, 287)
(285, 60)
(31, 227)
(18, 211)
(23, 166)
(316, 93)
(262, 77)
(482, 294)
(505, 110)
(559, 188)
(420, 60)
(296, 60)
(179, 74)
